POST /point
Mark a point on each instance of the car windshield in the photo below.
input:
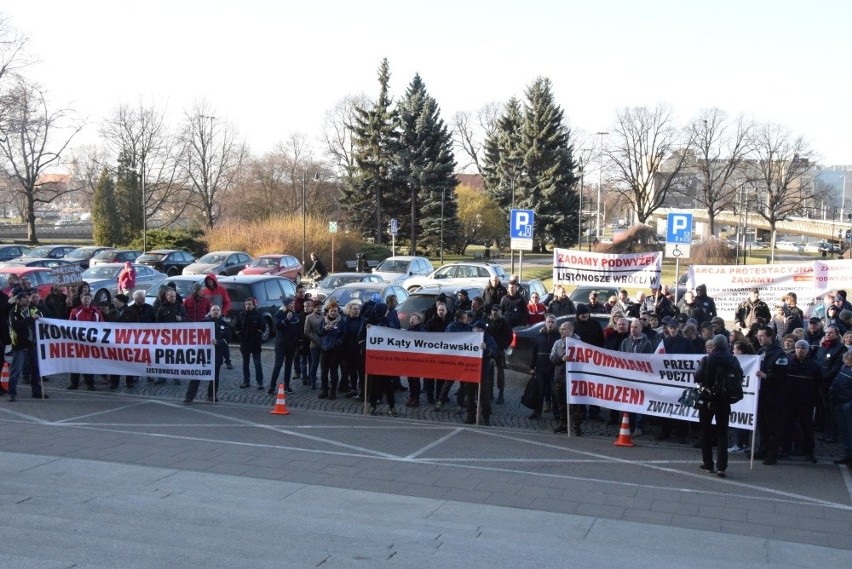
(182, 287)
(104, 255)
(334, 281)
(81, 253)
(149, 257)
(347, 294)
(238, 292)
(264, 262)
(500, 272)
(212, 259)
(42, 251)
(101, 273)
(392, 266)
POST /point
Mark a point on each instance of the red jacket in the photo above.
(86, 314)
(127, 277)
(537, 312)
(216, 293)
(197, 309)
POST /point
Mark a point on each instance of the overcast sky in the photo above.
(273, 68)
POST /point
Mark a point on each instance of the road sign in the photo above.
(679, 229)
(521, 229)
(394, 226)
(677, 251)
(332, 227)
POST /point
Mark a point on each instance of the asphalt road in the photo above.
(137, 479)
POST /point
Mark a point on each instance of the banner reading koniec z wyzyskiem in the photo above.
(640, 270)
(436, 355)
(175, 351)
(649, 384)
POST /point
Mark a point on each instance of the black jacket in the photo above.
(250, 325)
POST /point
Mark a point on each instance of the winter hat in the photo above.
(582, 309)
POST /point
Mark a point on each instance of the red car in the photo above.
(286, 266)
(40, 277)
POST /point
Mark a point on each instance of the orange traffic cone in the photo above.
(4, 376)
(280, 407)
(624, 439)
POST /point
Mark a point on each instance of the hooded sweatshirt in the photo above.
(216, 293)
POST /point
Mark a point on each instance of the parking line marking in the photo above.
(435, 443)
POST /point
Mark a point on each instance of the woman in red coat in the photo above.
(536, 309)
(127, 279)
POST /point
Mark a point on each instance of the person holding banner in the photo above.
(541, 367)
(120, 313)
(489, 350)
(22, 321)
(222, 331)
(377, 385)
(559, 355)
(498, 328)
(85, 313)
(637, 343)
(712, 366)
(437, 323)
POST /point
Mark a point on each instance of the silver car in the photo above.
(401, 267)
(327, 285)
(460, 274)
(103, 280)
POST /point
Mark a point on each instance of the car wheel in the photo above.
(267, 333)
(298, 278)
(172, 272)
(102, 297)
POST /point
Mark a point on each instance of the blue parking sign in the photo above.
(679, 228)
(521, 224)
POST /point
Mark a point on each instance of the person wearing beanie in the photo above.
(804, 376)
(288, 334)
(707, 304)
(489, 350)
(120, 312)
(718, 361)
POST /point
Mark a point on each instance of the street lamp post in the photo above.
(580, 213)
(304, 218)
(600, 183)
(443, 195)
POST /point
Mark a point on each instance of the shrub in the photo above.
(189, 239)
(713, 251)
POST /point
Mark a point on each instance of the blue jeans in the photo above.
(843, 418)
(24, 360)
(284, 355)
(254, 353)
(300, 364)
(315, 362)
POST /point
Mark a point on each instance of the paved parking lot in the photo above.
(82, 464)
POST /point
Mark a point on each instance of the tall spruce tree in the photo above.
(503, 158)
(426, 164)
(548, 184)
(376, 181)
(128, 202)
(106, 221)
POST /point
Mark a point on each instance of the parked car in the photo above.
(519, 353)
(49, 251)
(327, 285)
(286, 266)
(182, 284)
(402, 267)
(9, 252)
(364, 291)
(823, 247)
(789, 246)
(169, 261)
(83, 255)
(40, 277)
(37, 262)
(424, 298)
(462, 273)
(225, 263)
(114, 256)
(103, 280)
(581, 293)
(267, 290)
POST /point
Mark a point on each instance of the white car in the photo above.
(458, 274)
(789, 246)
(400, 267)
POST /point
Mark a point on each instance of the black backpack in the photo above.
(727, 386)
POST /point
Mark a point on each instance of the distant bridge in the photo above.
(821, 229)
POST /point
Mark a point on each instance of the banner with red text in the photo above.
(174, 351)
(435, 355)
(636, 270)
(648, 384)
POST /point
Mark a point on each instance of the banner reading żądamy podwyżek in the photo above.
(639, 270)
(649, 384)
(435, 355)
(175, 351)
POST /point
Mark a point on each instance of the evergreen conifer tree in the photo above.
(375, 183)
(503, 158)
(128, 203)
(426, 164)
(106, 222)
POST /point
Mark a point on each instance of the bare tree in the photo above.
(337, 135)
(32, 140)
(782, 174)
(644, 139)
(211, 159)
(13, 44)
(86, 164)
(139, 137)
(470, 131)
(716, 156)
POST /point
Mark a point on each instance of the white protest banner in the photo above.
(830, 276)
(649, 384)
(175, 351)
(730, 285)
(639, 270)
(438, 355)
